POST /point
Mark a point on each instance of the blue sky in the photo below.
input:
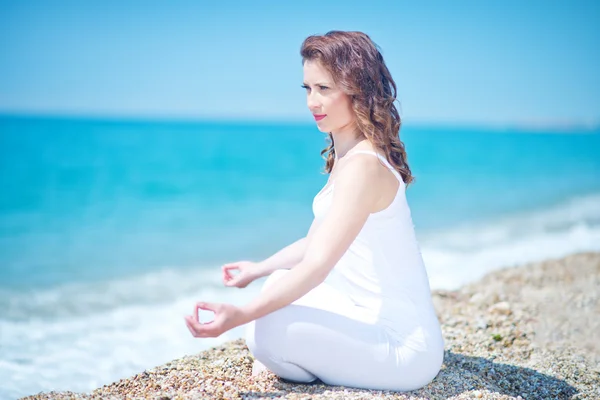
(466, 62)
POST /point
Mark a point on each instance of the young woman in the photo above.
(349, 304)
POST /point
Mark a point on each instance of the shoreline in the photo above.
(523, 331)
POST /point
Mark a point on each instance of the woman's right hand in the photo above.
(247, 272)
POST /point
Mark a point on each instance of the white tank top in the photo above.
(383, 272)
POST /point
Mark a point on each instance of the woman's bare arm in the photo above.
(352, 200)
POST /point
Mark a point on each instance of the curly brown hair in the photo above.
(356, 64)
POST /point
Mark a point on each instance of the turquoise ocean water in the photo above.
(111, 230)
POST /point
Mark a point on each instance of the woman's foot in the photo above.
(257, 368)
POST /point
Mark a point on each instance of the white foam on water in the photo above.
(81, 337)
(457, 256)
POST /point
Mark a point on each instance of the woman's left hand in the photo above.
(226, 317)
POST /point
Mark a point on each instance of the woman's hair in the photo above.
(357, 66)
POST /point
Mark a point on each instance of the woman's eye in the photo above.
(320, 87)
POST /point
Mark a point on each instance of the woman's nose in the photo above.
(312, 103)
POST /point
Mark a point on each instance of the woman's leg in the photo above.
(266, 354)
(322, 335)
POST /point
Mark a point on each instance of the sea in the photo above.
(112, 229)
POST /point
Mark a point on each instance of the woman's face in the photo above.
(324, 98)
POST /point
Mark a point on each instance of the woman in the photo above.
(350, 303)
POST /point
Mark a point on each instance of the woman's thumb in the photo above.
(231, 282)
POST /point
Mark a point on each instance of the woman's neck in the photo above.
(345, 141)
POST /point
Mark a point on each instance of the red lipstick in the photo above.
(319, 117)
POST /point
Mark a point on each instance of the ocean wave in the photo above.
(73, 299)
(80, 343)
(465, 253)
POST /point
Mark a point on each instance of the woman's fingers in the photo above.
(188, 322)
(194, 327)
(195, 315)
(227, 268)
(228, 277)
(222, 314)
(206, 306)
(199, 330)
(201, 305)
(230, 267)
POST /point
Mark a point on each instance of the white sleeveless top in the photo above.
(383, 272)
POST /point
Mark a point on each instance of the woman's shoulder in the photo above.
(365, 186)
(361, 176)
(369, 160)
(374, 174)
(360, 164)
(364, 154)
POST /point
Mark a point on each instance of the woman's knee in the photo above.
(267, 336)
(267, 341)
(274, 277)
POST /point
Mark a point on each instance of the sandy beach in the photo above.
(524, 332)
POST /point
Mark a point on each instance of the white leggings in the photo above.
(321, 335)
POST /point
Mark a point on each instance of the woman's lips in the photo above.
(319, 117)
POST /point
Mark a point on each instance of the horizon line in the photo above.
(530, 125)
